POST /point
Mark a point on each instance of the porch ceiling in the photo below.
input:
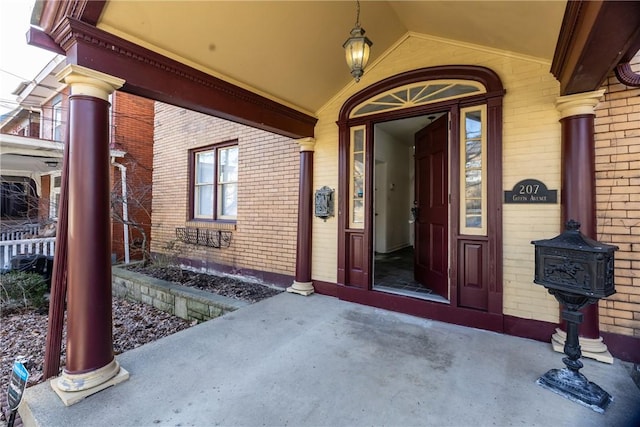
(291, 51)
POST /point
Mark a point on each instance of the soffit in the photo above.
(292, 51)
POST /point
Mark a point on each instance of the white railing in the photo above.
(12, 248)
(20, 232)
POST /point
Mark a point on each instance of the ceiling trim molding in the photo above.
(595, 37)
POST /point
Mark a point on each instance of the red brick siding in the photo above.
(132, 132)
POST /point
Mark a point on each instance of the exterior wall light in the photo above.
(357, 48)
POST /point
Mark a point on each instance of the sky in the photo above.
(18, 61)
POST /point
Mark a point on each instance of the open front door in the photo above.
(432, 203)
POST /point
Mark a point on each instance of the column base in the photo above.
(302, 288)
(592, 348)
(72, 388)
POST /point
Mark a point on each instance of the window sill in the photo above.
(211, 225)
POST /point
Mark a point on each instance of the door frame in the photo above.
(355, 261)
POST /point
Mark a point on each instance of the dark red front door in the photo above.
(432, 200)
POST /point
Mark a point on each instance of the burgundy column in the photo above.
(89, 298)
(578, 199)
(578, 192)
(90, 358)
(302, 283)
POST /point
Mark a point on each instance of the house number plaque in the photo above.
(531, 191)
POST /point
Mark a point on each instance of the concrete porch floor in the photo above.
(318, 361)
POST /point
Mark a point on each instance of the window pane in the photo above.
(358, 164)
(358, 187)
(473, 125)
(204, 167)
(358, 141)
(473, 158)
(358, 211)
(473, 183)
(204, 201)
(228, 199)
(228, 165)
(390, 99)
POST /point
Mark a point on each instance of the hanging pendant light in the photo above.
(357, 48)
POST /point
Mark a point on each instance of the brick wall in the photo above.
(132, 132)
(618, 200)
(264, 236)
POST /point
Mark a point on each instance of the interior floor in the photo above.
(393, 273)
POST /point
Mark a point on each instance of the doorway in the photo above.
(411, 209)
(460, 260)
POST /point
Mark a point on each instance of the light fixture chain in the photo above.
(357, 13)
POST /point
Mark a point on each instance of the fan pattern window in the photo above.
(417, 94)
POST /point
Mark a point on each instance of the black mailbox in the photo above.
(577, 271)
(574, 263)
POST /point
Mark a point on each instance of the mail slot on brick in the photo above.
(574, 263)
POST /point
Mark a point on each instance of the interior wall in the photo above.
(396, 154)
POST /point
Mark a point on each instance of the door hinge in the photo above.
(449, 124)
(449, 272)
(449, 198)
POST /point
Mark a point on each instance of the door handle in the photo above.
(415, 212)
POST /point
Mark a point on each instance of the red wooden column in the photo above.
(578, 199)
(91, 365)
(302, 284)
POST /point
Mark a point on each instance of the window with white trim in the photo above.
(214, 183)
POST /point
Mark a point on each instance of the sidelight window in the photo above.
(357, 177)
(473, 182)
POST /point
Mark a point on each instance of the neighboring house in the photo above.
(454, 111)
(32, 141)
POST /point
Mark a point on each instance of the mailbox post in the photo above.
(577, 271)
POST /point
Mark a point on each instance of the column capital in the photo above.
(85, 81)
(307, 144)
(579, 103)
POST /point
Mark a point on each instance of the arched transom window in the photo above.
(417, 94)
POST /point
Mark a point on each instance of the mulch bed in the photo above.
(221, 285)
